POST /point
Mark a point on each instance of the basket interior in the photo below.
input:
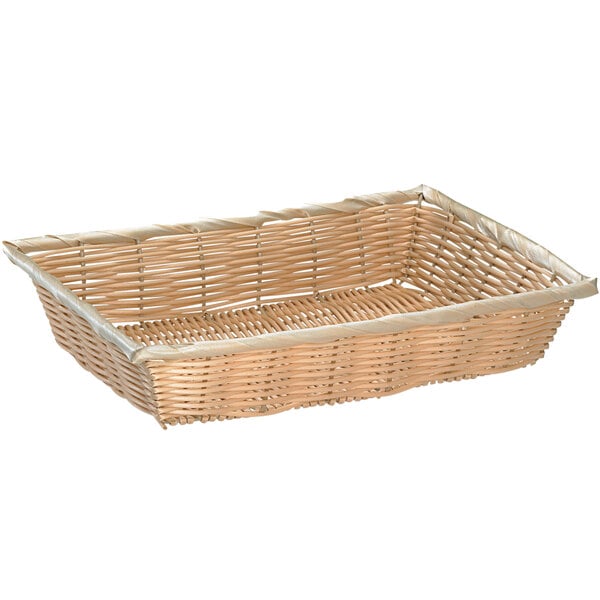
(293, 274)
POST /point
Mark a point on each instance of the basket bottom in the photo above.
(295, 313)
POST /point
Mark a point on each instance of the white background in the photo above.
(116, 114)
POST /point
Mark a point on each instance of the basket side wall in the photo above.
(247, 266)
(266, 382)
(100, 357)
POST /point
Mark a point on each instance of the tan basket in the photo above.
(322, 304)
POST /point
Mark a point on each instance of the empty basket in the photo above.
(327, 303)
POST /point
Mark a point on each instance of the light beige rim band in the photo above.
(579, 286)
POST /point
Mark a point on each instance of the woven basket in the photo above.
(243, 317)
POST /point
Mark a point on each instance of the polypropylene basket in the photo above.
(322, 304)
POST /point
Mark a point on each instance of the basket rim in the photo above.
(140, 234)
(578, 286)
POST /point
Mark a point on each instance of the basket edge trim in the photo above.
(579, 286)
(140, 234)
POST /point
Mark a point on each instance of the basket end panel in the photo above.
(98, 356)
(457, 255)
(266, 382)
(497, 247)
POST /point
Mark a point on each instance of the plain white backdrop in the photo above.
(117, 114)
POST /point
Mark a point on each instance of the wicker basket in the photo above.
(327, 303)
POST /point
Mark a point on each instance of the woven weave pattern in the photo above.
(178, 275)
(327, 270)
(268, 382)
(298, 313)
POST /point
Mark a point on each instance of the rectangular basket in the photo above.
(327, 303)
